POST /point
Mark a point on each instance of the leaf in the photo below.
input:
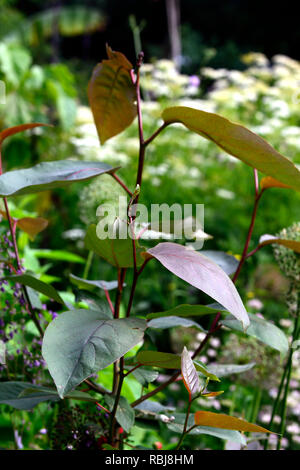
(169, 361)
(118, 252)
(269, 182)
(16, 129)
(145, 376)
(86, 284)
(189, 374)
(237, 141)
(270, 240)
(177, 426)
(11, 394)
(212, 394)
(222, 421)
(37, 285)
(261, 330)
(186, 310)
(24, 396)
(125, 413)
(30, 225)
(112, 95)
(202, 273)
(81, 342)
(50, 175)
(226, 262)
(153, 407)
(223, 370)
(172, 321)
(58, 255)
(2, 352)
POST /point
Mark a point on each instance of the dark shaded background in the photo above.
(232, 27)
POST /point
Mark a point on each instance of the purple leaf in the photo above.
(202, 273)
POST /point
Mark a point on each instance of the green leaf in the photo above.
(37, 285)
(144, 376)
(112, 95)
(189, 374)
(270, 240)
(169, 361)
(223, 370)
(218, 420)
(228, 435)
(172, 321)
(50, 175)
(237, 141)
(186, 310)
(125, 413)
(261, 330)
(153, 407)
(59, 255)
(118, 252)
(80, 342)
(202, 273)
(86, 284)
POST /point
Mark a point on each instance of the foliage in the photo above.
(99, 352)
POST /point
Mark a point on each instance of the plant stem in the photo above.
(121, 183)
(185, 425)
(112, 424)
(288, 378)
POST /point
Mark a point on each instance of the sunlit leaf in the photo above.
(270, 240)
(237, 141)
(30, 225)
(59, 255)
(80, 342)
(112, 95)
(202, 273)
(261, 330)
(228, 435)
(50, 175)
(222, 421)
(189, 374)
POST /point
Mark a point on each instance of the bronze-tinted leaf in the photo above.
(237, 141)
(112, 95)
(269, 182)
(32, 225)
(222, 421)
(16, 129)
(270, 240)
